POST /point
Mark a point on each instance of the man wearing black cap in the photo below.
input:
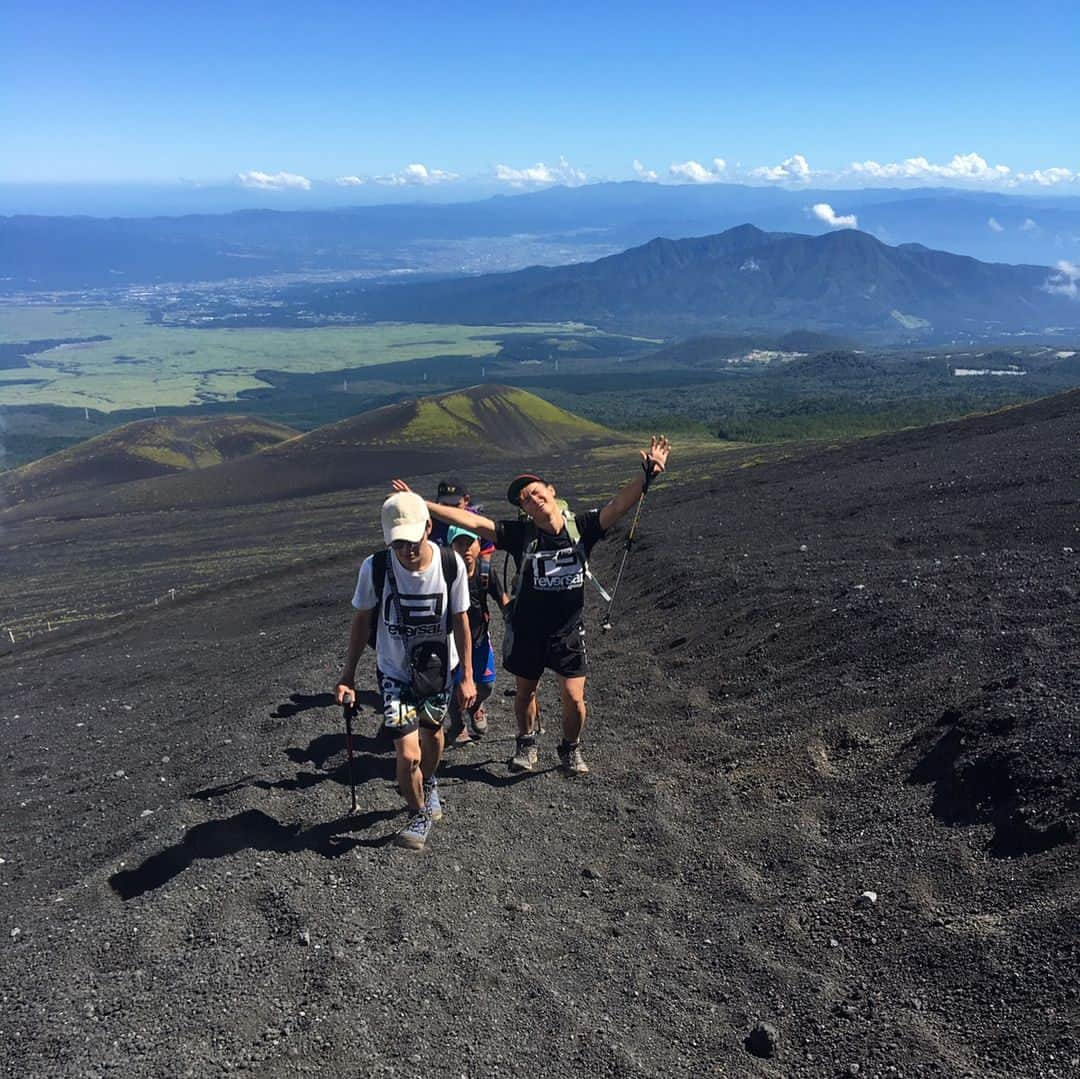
(450, 492)
(544, 630)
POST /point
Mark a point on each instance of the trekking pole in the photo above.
(349, 709)
(650, 470)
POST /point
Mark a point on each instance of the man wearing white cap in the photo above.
(417, 594)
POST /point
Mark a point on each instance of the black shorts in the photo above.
(529, 656)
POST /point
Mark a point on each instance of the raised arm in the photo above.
(453, 515)
(653, 460)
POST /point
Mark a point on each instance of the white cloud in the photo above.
(1048, 177)
(539, 174)
(277, 181)
(824, 212)
(416, 175)
(961, 167)
(644, 173)
(1066, 282)
(695, 173)
(994, 225)
(350, 181)
(1029, 225)
(795, 168)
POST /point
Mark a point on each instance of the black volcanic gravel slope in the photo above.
(846, 673)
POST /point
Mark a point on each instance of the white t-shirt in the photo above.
(418, 613)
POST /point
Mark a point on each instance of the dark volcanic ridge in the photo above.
(141, 450)
(834, 782)
(411, 437)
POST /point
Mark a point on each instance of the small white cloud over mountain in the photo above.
(994, 225)
(276, 181)
(794, 168)
(541, 174)
(824, 212)
(1066, 282)
(695, 173)
(643, 173)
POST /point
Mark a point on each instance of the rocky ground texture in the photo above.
(830, 828)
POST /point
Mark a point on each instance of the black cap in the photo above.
(518, 484)
(451, 488)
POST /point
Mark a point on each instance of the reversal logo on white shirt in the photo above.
(557, 571)
(421, 614)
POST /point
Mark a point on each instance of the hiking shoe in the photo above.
(525, 756)
(414, 834)
(479, 722)
(455, 732)
(571, 759)
(432, 805)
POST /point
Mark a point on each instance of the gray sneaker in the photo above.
(432, 805)
(525, 756)
(414, 834)
(571, 759)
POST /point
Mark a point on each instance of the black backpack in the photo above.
(483, 582)
(379, 565)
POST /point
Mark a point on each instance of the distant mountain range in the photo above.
(507, 232)
(744, 280)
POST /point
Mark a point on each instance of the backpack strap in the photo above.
(378, 582)
(449, 572)
(483, 584)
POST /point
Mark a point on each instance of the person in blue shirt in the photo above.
(483, 586)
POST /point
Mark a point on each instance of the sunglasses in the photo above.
(404, 545)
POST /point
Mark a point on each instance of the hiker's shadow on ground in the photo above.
(480, 772)
(373, 758)
(366, 767)
(250, 830)
(304, 702)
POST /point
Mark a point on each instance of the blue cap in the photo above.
(456, 531)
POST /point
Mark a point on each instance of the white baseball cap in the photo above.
(404, 517)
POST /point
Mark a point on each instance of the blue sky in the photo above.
(376, 97)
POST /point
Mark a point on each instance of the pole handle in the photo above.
(648, 466)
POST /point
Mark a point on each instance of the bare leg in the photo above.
(431, 748)
(525, 705)
(572, 691)
(409, 778)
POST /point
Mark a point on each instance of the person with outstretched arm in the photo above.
(417, 595)
(544, 628)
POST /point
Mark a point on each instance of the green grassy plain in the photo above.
(142, 365)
